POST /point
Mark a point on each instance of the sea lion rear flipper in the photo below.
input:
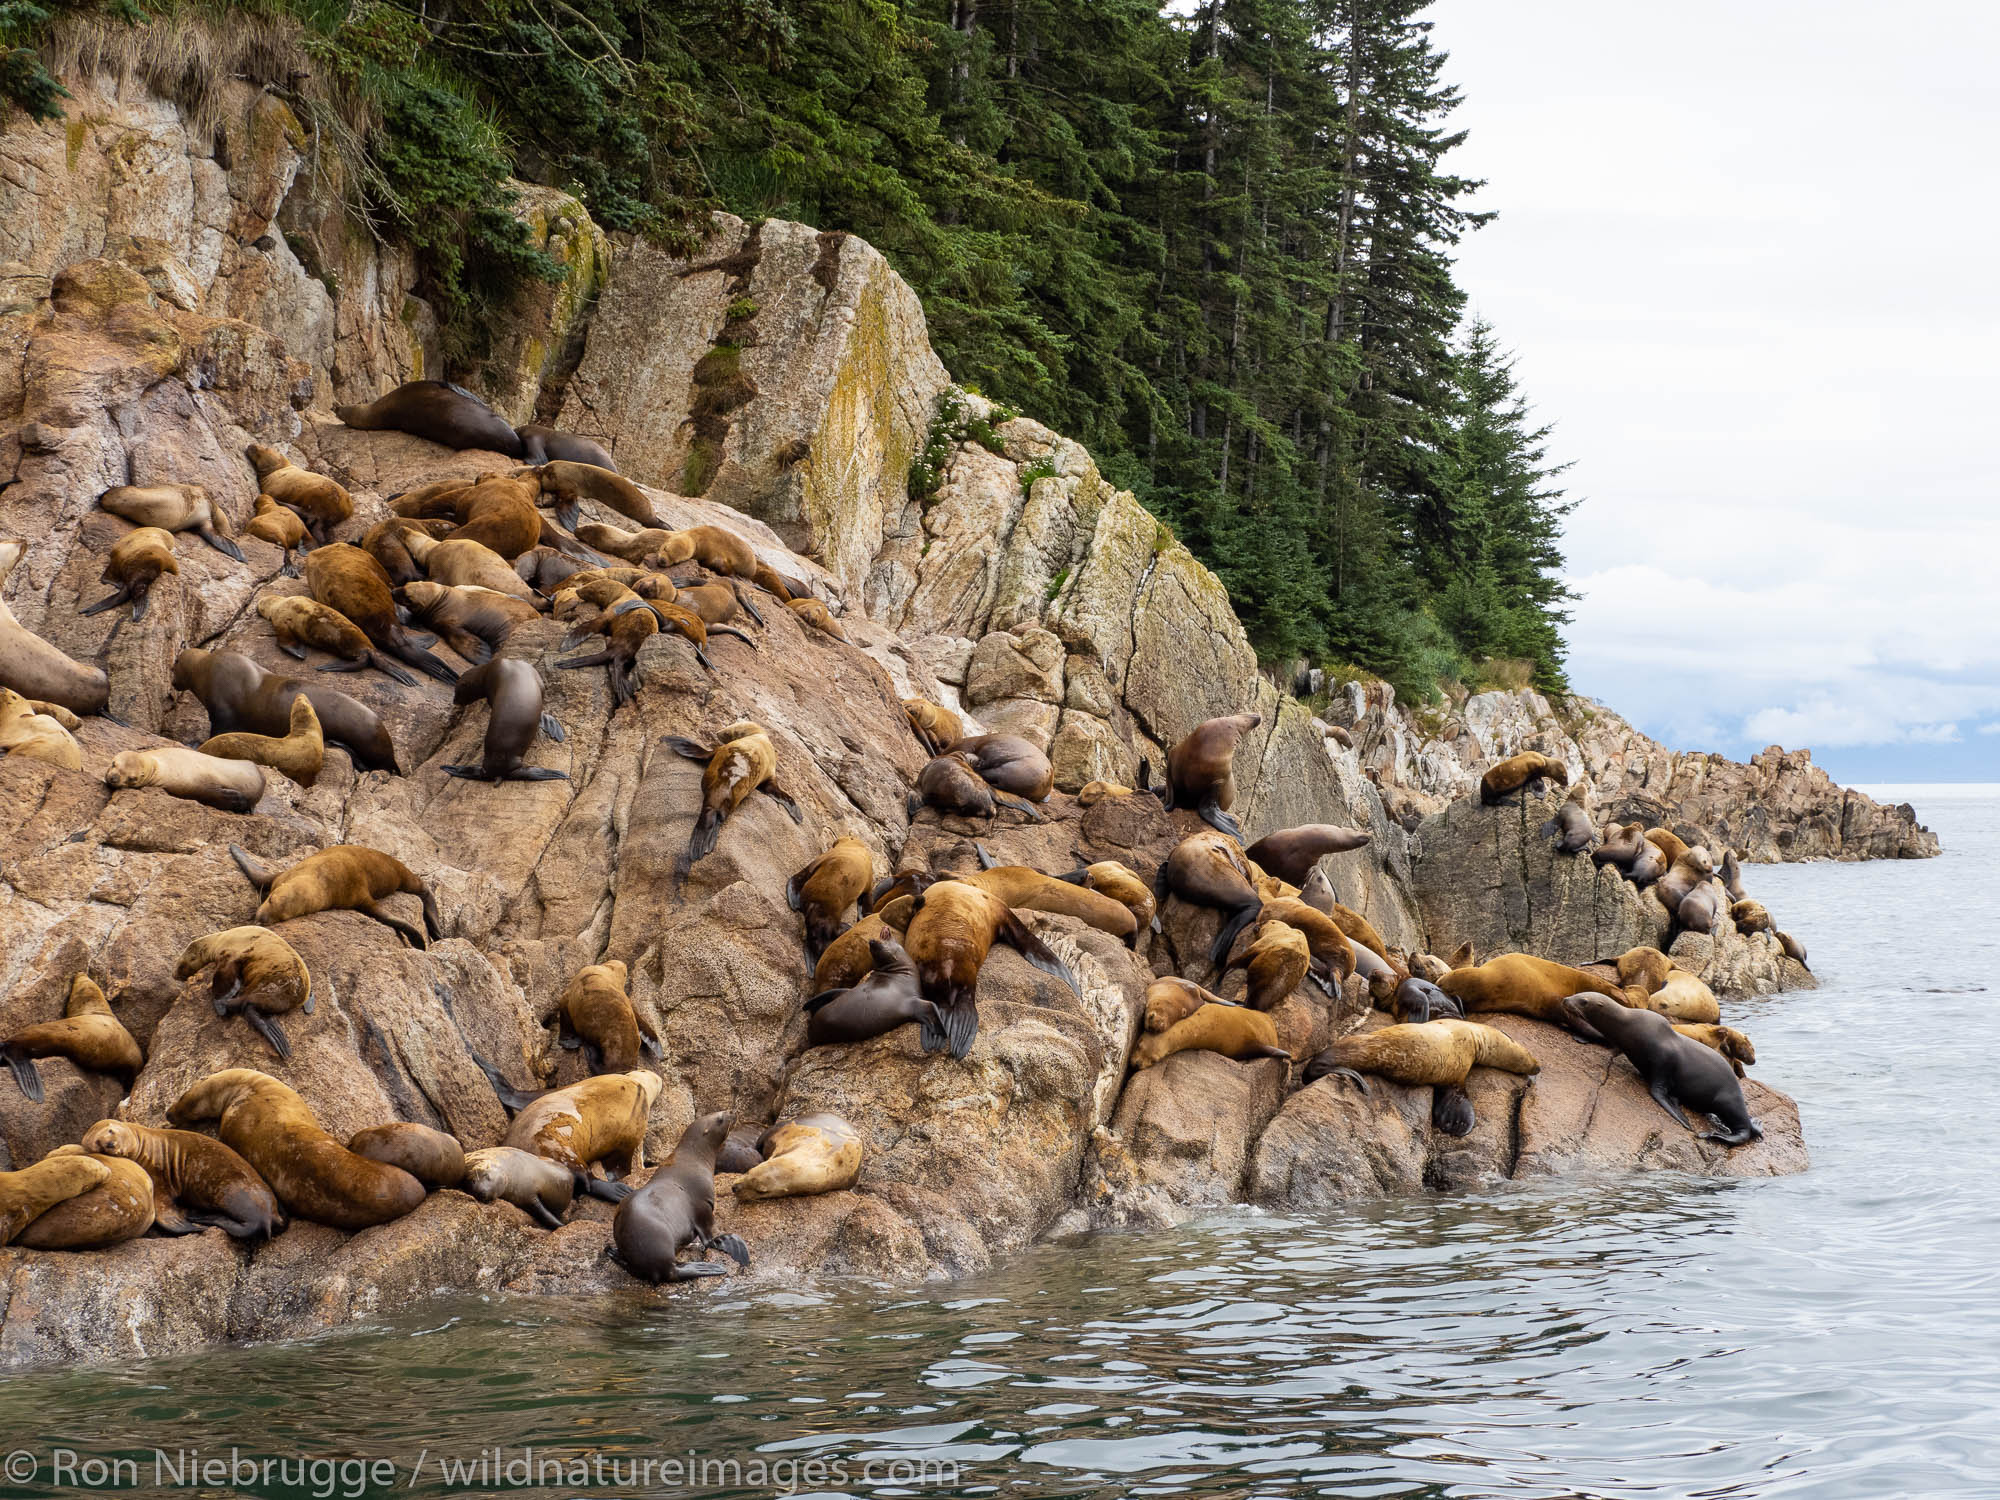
(744, 600)
(552, 727)
(387, 668)
(824, 997)
(1741, 1137)
(338, 665)
(537, 773)
(702, 657)
(783, 798)
(732, 1246)
(1670, 1104)
(469, 773)
(1003, 799)
(270, 1031)
(220, 542)
(409, 932)
(605, 1189)
(537, 1210)
(987, 861)
(961, 1025)
(26, 1074)
(1216, 818)
(795, 887)
(682, 745)
(714, 630)
(1218, 952)
(258, 872)
(1262, 1051)
(602, 658)
(423, 661)
(1547, 829)
(1021, 938)
(109, 601)
(512, 1099)
(567, 512)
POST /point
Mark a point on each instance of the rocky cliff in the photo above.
(174, 292)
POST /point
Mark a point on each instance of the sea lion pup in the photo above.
(1750, 916)
(612, 1033)
(1677, 1070)
(28, 731)
(1793, 948)
(545, 568)
(173, 507)
(1622, 845)
(1207, 869)
(118, 1209)
(624, 634)
(1522, 985)
(1727, 1040)
(35, 669)
(258, 976)
(1201, 770)
(320, 502)
(1571, 827)
(541, 1189)
(1437, 1053)
(1686, 872)
(847, 959)
(1682, 998)
(951, 785)
(198, 1183)
(474, 621)
(742, 761)
(952, 927)
(1419, 1000)
(1110, 878)
(567, 481)
(1699, 908)
(1171, 1000)
(1008, 763)
(1526, 770)
(818, 1153)
(1643, 968)
(1731, 875)
(1024, 889)
(344, 875)
(1294, 853)
(348, 580)
(298, 754)
(299, 622)
(1276, 959)
(880, 999)
(602, 1119)
(232, 785)
(388, 542)
(314, 1176)
(1236, 1031)
(89, 1035)
(435, 1159)
(1332, 950)
(824, 889)
(31, 1192)
(813, 612)
(934, 726)
(512, 690)
(283, 529)
(676, 1209)
(448, 415)
(541, 444)
(137, 560)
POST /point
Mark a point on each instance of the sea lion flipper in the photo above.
(220, 543)
(259, 873)
(1213, 815)
(931, 1033)
(388, 668)
(680, 744)
(783, 798)
(691, 1270)
(1671, 1105)
(552, 727)
(961, 1025)
(514, 1100)
(539, 1212)
(732, 630)
(397, 924)
(1020, 805)
(1451, 1110)
(109, 601)
(825, 997)
(1021, 938)
(537, 773)
(795, 887)
(338, 665)
(732, 1246)
(987, 861)
(26, 1074)
(469, 773)
(1231, 930)
(270, 1031)
(608, 1191)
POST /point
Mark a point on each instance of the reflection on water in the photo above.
(1833, 1334)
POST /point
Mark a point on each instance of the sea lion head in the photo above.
(111, 1138)
(186, 665)
(266, 460)
(741, 729)
(131, 768)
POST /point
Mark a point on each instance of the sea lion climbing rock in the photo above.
(198, 1182)
(89, 1035)
(1208, 869)
(818, 1153)
(258, 975)
(675, 1210)
(742, 761)
(281, 527)
(952, 927)
(33, 668)
(346, 875)
(137, 560)
(512, 690)
(321, 503)
(596, 1009)
(824, 890)
(1201, 770)
(1678, 1071)
(441, 413)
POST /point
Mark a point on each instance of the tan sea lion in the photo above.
(441, 413)
(298, 754)
(1332, 951)
(952, 927)
(282, 528)
(343, 875)
(512, 690)
(824, 889)
(602, 1119)
(1643, 967)
(625, 631)
(1727, 1040)
(676, 1210)
(314, 1176)
(31, 733)
(607, 1026)
(1750, 916)
(742, 761)
(713, 600)
(934, 726)
(475, 622)
(1201, 770)
(258, 976)
(1677, 1070)
(541, 1189)
(1276, 958)
(299, 622)
(1008, 763)
(882, 997)
(137, 560)
(1293, 853)
(568, 481)
(1108, 877)
(1024, 889)
(1435, 1053)
(818, 1153)
(432, 1157)
(198, 1183)
(813, 612)
(173, 507)
(89, 1035)
(1095, 792)
(1793, 948)
(1684, 998)
(1522, 985)
(119, 1208)
(348, 580)
(32, 667)
(1236, 1031)
(31, 1192)
(232, 785)
(1621, 846)
(1527, 769)
(499, 514)
(320, 502)
(632, 546)
(1670, 844)
(1171, 1000)
(1208, 869)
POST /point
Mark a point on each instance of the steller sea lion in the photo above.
(432, 1157)
(299, 622)
(1095, 792)
(89, 1035)
(1683, 997)
(878, 1000)
(1793, 948)
(1621, 847)
(475, 622)
(847, 960)
(1276, 959)
(198, 1183)
(348, 580)
(258, 976)
(119, 1208)
(1677, 1070)
(950, 784)
(676, 1208)
(606, 1024)
(1419, 1000)
(513, 693)
(1571, 827)
(1522, 985)
(602, 1119)
(1235, 1031)
(541, 444)
(1527, 769)
(298, 754)
(739, 1153)
(1008, 763)
(1436, 1053)
(1292, 854)
(1727, 1040)
(814, 613)
(713, 600)
(1670, 844)
(824, 889)
(232, 785)
(1171, 1000)
(1731, 875)
(448, 415)
(568, 480)
(1699, 908)
(1648, 866)
(314, 1176)
(1201, 770)
(342, 875)
(282, 528)
(137, 560)
(952, 927)
(499, 514)
(1689, 870)
(320, 502)
(742, 761)
(1208, 869)
(173, 507)
(1024, 889)
(31, 1192)
(1110, 878)
(541, 1189)
(625, 633)
(1332, 951)
(819, 1153)
(28, 730)
(934, 726)
(890, 887)
(632, 546)
(32, 667)
(1750, 916)
(388, 542)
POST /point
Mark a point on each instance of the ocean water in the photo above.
(1832, 1334)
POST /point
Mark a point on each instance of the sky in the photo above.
(1746, 259)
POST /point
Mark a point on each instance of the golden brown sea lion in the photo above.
(813, 612)
(541, 1189)
(512, 690)
(299, 622)
(716, 601)
(475, 622)
(818, 1153)
(1683, 998)
(882, 996)
(602, 1119)
(1110, 878)
(232, 785)
(344, 875)
(258, 976)
(499, 514)
(1332, 950)
(320, 502)
(1669, 843)
(282, 528)
(743, 760)
(1095, 792)
(952, 927)
(137, 560)
(1727, 1040)
(934, 726)
(625, 632)
(1677, 1070)
(438, 412)
(89, 1035)
(298, 754)
(1171, 1000)
(675, 1210)
(32, 667)
(1644, 968)
(1750, 916)
(1208, 869)
(31, 1192)
(348, 580)
(825, 888)
(388, 542)
(435, 1159)
(1435, 1053)
(1201, 770)
(465, 563)
(30, 732)
(567, 481)
(1008, 763)
(1276, 958)
(1527, 769)
(198, 1183)
(846, 960)
(595, 1007)
(119, 1208)
(632, 546)
(1236, 1031)
(314, 1176)
(173, 507)
(1030, 890)
(1522, 985)
(1293, 853)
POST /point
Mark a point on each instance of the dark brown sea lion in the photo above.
(89, 1035)
(347, 579)
(118, 1209)
(1571, 828)
(601, 1120)
(299, 753)
(596, 1010)
(540, 1188)
(136, 563)
(445, 414)
(173, 507)
(299, 622)
(31, 1192)
(1008, 763)
(32, 667)
(475, 622)
(817, 1153)
(676, 1209)
(742, 761)
(314, 1176)
(1419, 1000)
(513, 693)
(567, 481)
(624, 634)
(320, 502)
(1236, 1031)
(934, 726)
(879, 1001)
(1294, 853)
(1690, 870)
(198, 1183)
(1527, 769)
(540, 444)
(232, 785)
(1679, 1072)
(343, 875)
(952, 927)
(824, 890)
(1699, 908)
(1732, 876)
(1208, 869)
(1201, 770)
(258, 975)
(739, 1153)
(951, 785)
(435, 1159)
(282, 528)
(1621, 847)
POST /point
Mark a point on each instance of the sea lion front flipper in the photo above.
(1742, 1137)
(755, 614)
(552, 727)
(1231, 930)
(26, 1074)
(338, 665)
(824, 997)
(1005, 799)
(1451, 1110)
(795, 887)
(539, 1212)
(270, 1031)
(783, 798)
(987, 861)
(692, 1270)
(732, 630)
(680, 744)
(112, 601)
(536, 773)
(1216, 818)
(258, 872)
(416, 938)
(931, 1034)
(732, 1246)
(1670, 1104)
(912, 805)
(512, 1099)
(220, 542)
(1021, 938)
(1548, 829)
(469, 773)
(605, 1189)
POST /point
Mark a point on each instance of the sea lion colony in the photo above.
(905, 949)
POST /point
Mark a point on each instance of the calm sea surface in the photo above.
(1834, 1334)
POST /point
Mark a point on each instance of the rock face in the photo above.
(176, 293)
